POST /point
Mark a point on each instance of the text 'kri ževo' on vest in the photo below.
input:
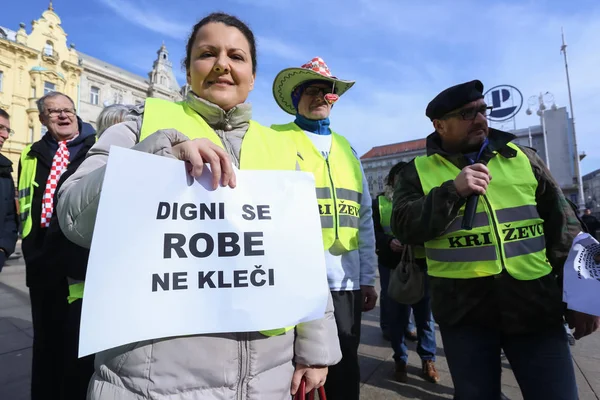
(507, 232)
(203, 245)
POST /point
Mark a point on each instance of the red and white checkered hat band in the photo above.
(318, 65)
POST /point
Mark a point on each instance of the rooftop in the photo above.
(591, 175)
(6, 33)
(110, 67)
(391, 149)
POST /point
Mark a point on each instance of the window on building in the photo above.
(48, 49)
(1, 79)
(33, 92)
(94, 95)
(44, 130)
(118, 97)
(31, 138)
(49, 87)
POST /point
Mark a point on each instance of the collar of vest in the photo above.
(238, 117)
(497, 142)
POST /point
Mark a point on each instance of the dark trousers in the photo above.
(400, 320)
(343, 380)
(384, 281)
(541, 362)
(48, 313)
(78, 371)
(384, 300)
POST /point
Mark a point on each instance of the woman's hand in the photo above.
(198, 152)
(315, 377)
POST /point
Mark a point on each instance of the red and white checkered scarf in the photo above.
(59, 164)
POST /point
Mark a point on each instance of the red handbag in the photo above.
(301, 393)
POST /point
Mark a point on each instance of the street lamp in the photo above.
(542, 100)
(563, 49)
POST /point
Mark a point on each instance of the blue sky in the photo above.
(401, 53)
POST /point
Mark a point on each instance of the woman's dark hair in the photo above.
(228, 20)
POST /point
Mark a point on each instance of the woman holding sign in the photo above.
(221, 65)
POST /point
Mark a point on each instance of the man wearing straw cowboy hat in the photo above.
(308, 93)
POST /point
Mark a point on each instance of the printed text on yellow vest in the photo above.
(339, 187)
(508, 232)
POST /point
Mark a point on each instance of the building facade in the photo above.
(30, 66)
(103, 84)
(557, 152)
(34, 64)
(591, 191)
(378, 161)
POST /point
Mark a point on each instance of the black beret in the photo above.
(454, 97)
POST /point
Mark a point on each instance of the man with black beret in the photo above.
(495, 285)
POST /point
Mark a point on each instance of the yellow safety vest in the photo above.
(267, 149)
(75, 292)
(385, 217)
(262, 148)
(26, 186)
(507, 230)
(339, 185)
(385, 214)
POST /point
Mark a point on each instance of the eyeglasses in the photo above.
(6, 129)
(315, 91)
(469, 114)
(55, 112)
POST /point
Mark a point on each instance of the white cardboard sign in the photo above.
(172, 257)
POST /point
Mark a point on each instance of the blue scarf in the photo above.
(319, 127)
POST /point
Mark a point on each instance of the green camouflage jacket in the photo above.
(501, 301)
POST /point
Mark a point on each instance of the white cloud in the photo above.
(402, 53)
(145, 16)
(424, 48)
(270, 46)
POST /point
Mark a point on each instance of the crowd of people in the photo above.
(488, 288)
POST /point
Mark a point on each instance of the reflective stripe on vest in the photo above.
(26, 187)
(262, 148)
(339, 185)
(419, 252)
(385, 214)
(507, 232)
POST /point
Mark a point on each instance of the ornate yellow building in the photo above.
(30, 66)
(34, 64)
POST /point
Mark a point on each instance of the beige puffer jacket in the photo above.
(248, 366)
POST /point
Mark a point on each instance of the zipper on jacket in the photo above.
(335, 212)
(495, 226)
(244, 365)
